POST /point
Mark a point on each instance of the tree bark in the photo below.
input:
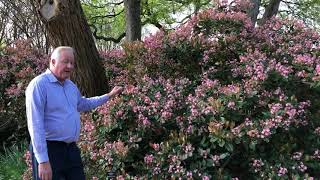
(254, 11)
(271, 10)
(133, 20)
(66, 25)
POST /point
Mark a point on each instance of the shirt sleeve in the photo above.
(87, 104)
(35, 105)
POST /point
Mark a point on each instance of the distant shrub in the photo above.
(19, 63)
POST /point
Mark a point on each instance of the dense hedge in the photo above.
(215, 99)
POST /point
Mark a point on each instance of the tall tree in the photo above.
(133, 19)
(254, 11)
(306, 10)
(106, 20)
(107, 17)
(66, 25)
(18, 22)
(271, 10)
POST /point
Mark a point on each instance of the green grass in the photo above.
(12, 163)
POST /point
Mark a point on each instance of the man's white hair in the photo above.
(57, 51)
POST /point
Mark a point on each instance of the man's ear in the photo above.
(53, 62)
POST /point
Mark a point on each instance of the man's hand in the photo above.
(45, 172)
(116, 90)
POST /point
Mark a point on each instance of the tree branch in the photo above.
(108, 15)
(115, 40)
(153, 22)
(103, 5)
(288, 2)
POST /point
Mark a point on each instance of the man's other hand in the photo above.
(115, 91)
(45, 171)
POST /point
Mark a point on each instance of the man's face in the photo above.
(63, 67)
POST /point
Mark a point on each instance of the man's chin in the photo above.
(67, 76)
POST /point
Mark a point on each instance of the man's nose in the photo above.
(70, 65)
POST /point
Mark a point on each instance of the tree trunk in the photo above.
(254, 11)
(133, 20)
(271, 10)
(66, 25)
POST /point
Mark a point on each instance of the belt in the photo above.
(60, 143)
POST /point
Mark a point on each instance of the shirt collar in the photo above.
(53, 78)
(50, 76)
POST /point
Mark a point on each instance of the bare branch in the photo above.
(115, 40)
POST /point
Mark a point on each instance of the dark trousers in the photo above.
(65, 161)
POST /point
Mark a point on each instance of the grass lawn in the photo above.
(12, 163)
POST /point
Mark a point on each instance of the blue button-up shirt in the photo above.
(53, 111)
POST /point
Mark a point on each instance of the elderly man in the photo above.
(53, 105)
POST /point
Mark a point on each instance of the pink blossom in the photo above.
(302, 74)
(297, 155)
(302, 167)
(189, 174)
(316, 154)
(158, 95)
(231, 105)
(265, 133)
(215, 160)
(205, 178)
(282, 171)
(156, 170)
(119, 113)
(148, 159)
(304, 59)
(317, 131)
(253, 133)
(188, 148)
(166, 115)
(189, 130)
(155, 146)
(257, 164)
(274, 108)
(318, 69)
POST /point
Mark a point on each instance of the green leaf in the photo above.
(252, 145)
(221, 142)
(213, 139)
(229, 147)
(224, 155)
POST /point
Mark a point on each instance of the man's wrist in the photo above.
(110, 95)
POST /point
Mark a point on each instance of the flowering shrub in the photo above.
(19, 63)
(215, 99)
